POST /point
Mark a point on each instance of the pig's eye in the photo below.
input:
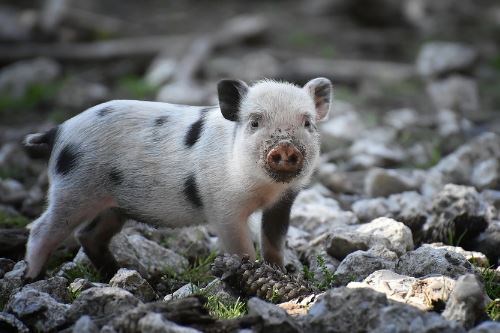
(307, 123)
(254, 124)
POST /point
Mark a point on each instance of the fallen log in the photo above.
(93, 51)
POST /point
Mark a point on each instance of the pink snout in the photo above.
(285, 158)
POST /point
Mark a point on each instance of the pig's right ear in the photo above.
(231, 92)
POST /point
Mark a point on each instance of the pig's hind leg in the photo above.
(95, 238)
(51, 229)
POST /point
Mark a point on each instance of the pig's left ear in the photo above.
(231, 92)
(320, 90)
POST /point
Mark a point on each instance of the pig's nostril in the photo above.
(276, 158)
(293, 159)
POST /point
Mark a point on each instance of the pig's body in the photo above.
(172, 165)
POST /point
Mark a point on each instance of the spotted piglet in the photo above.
(173, 165)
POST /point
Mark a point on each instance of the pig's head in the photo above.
(276, 134)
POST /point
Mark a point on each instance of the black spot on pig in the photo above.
(194, 132)
(104, 111)
(116, 176)
(191, 191)
(67, 159)
(161, 120)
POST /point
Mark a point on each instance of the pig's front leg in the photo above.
(275, 222)
(234, 236)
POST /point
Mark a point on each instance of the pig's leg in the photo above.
(49, 231)
(275, 221)
(95, 238)
(234, 236)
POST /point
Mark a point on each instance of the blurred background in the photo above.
(413, 79)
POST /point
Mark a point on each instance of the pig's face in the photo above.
(276, 135)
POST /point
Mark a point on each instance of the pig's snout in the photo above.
(285, 158)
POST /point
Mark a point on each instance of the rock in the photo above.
(17, 78)
(193, 242)
(427, 260)
(451, 123)
(38, 310)
(402, 118)
(407, 207)
(457, 167)
(441, 58)
(366, 153)
(13, 242)
(133, 282)
(474, 257)
(445, 16)
(182, 92)
(427, 294)
(345, 182)
(79, 94)
(341, 128)
(190, 310)
(486, 174)
(6, 265)
(12, 281)
(341, 244)
(396, 233)
(156, 323)
(488, 242)
(404, 318)
(146, 257)
(85, 325)
(456, 93)
(300, 306)
(316, 213)
(79, 285)
(486, 327)
(364, 310)
(102, 304)
(12, 192)
(274, 318)
(467, 302)
(161, 70)
(458, 214)
(56, 287)
(220, 291)
(358, 265)
(9, 323)
(383, 182)
(252, 66)
(184, 291)
(33, 204)
(345, 310)
(15, 25)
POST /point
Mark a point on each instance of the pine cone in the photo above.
(259, 279)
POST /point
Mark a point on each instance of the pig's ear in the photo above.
(231, 93)
(320, 90)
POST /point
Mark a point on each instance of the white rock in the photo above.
(396, 233)
(486, 174)
(423, 293)
(155, 323)
(437, 58)
(456, 93)
(184, 291)
(16, 78)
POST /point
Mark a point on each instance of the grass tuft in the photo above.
(222, 309)
(9, 220)
(83, 271)
(329, 278)
(199, 273)
(492, 286)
